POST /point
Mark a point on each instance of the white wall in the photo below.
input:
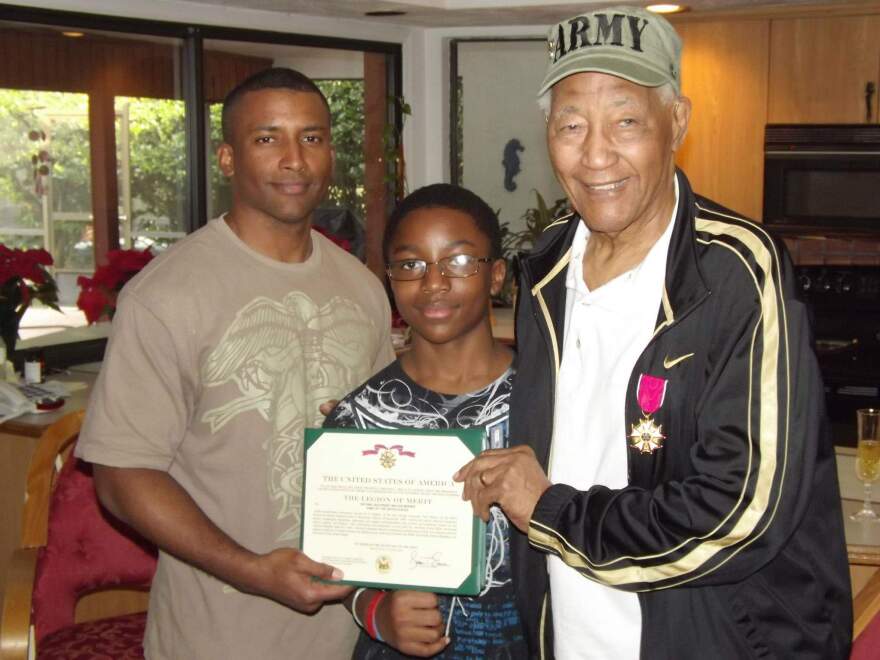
(499, 81)
(207, 14)
(426, 136)
(426, 88)
(322, 63)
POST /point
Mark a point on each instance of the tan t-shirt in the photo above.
(219, 357)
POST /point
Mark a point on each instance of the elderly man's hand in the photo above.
(510, 478)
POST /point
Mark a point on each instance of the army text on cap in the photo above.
(601, 32)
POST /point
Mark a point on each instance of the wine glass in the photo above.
(868, 459)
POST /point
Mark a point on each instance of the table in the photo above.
(862, 538)
(502, 324)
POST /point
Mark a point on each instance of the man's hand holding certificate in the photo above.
(382, 507)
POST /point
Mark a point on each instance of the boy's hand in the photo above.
(327, 407)
(410, 622)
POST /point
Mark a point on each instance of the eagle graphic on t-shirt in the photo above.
(286, 358)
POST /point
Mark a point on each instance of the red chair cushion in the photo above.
(86, 551)
(118, 638)
(867, 645)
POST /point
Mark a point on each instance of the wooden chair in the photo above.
(71, 550)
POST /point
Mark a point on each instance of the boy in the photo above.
(442, 247)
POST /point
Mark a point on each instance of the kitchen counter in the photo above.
(502, 324)
(79, 379)
(862, 538)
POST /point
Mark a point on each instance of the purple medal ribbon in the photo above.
(651, 393)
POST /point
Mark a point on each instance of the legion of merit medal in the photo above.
(647, 436)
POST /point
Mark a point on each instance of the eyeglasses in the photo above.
(458, 265)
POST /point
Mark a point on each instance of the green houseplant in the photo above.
(514, 243)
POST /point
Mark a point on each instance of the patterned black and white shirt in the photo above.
(488, 625)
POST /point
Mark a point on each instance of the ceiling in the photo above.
(459, 13)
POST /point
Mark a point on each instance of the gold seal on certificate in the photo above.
(381, 506)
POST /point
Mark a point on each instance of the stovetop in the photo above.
(840, 286)
(844, 303)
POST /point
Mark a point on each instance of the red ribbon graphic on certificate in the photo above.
(387, 456)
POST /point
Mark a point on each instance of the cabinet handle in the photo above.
(870, 88)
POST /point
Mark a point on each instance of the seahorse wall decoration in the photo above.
(511, 163)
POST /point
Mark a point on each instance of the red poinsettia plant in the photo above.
(23, 279)
(97, 296)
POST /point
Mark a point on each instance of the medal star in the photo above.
(387, 459)
(646, 436)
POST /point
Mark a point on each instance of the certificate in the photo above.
(381, 506)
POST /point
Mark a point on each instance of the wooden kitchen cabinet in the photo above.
(819, 68)
(724, 73)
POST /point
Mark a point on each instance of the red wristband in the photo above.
(370, 616)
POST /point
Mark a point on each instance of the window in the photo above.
(151, 173)
(500, 155)
(341, 76)
(66, 98)
(44, 179)
(109, 127)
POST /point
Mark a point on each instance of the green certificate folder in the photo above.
(381, 506)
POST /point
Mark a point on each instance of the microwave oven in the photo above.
(822, 176)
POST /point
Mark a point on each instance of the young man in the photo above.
(679, 489)
(442, 248)
(221, 353)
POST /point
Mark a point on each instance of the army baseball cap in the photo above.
(628, 42)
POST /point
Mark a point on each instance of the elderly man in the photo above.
(678, 490)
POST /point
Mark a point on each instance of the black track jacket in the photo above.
(731, 532)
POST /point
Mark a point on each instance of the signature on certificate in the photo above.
(427, 561)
